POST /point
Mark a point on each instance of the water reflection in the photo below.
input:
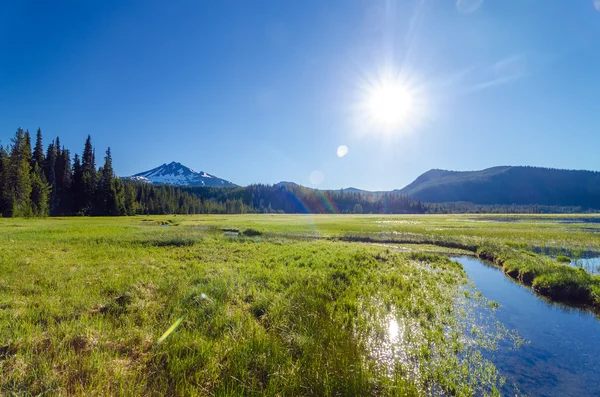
(393, 330)
(407, 344)
(562, 357)
(591, 265)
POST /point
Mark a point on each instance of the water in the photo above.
(562, 357)
(587, 260)
(591, 265)
(536, 219)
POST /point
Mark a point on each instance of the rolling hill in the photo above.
(509, 185)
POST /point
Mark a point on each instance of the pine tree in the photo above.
(87, 160)
(27, 148)
(57, 145)
(89, 177)
(108, 193)
(130, 203)
(49, 171)
(63, 175)
(38, 152)
(28, 144)
(5, 193)
(77, 187)
(19, 174)
(40, 191)
(119, 195)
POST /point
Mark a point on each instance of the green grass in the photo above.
(84, 302)
(292, 305)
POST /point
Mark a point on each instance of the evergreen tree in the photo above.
(107, 189)
(89, 178)
(119, 196)
(57, 145)
(19, 175)
(77, 186)
(49, 171)
(87, 159)
(63, 176)
(28, 144)
(130, 203)
(38, 151)
(5, 202)
(40, 191)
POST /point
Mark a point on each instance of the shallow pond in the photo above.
(591, 265)
(562, 356)
(536, 219)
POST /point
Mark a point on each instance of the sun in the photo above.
(389, 104)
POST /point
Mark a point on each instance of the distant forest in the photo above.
(517, 187)
(35, 183)
(293, 199)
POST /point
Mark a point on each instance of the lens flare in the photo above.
(342, 150)
(170, 330)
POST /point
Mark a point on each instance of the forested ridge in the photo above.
(510, 186)
(293, 198)
(38, 181)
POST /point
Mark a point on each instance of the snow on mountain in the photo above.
(140, 179)
(178, 174)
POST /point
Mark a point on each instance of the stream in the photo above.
(562, 353)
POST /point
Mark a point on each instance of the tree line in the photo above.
(35, 183)
(293, 199)
(470, 208)
(38, 182)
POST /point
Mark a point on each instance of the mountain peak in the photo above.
(178, 174)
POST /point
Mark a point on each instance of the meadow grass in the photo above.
(286, 307)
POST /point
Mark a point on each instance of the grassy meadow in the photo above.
(267, 304)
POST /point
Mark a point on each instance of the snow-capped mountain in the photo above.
(178, 174)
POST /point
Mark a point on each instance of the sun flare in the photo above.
(390, 104)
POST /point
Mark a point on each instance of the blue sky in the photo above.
(265, 91)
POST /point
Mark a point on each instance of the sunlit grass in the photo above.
(290, 305)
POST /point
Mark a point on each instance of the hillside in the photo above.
(509, 185)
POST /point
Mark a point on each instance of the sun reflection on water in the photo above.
(393, 330)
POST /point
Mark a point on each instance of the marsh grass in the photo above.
(563, 259)
(294, 305)
(84, 302)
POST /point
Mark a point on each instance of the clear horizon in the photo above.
(302, 91)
